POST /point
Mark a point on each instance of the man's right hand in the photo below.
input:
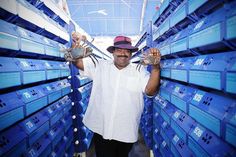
(73, 54)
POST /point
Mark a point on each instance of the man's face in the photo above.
(121, 57)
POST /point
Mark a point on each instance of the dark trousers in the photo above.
(110, 148)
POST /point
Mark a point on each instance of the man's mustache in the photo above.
(122, 56)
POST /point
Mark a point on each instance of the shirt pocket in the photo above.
(132, 84)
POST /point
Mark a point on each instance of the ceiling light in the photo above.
(103, 12)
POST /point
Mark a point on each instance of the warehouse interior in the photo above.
(44, 97)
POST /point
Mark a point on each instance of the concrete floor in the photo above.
(139, 149)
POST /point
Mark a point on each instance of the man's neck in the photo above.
(119, 67)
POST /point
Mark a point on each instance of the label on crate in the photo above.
(29, 124)
(199, 61)
(26, 95)
(176, 138)
(23, 33)
(197, 97)
(46, 40)
(24, 63)
(156, 131)
(177, 36)
(164, 124)
(177, 63)
(198, 132)
(176, 114)
(50, 110)
(164, 143)
(32, 152)
(51, 132)
(47, 64)
(199, 25)
(177, 88)
(163, 103)
(48, 88)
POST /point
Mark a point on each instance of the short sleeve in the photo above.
(89, 68)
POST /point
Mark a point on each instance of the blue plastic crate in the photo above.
(55, 134)
(230, 127)
(19, 149)
(180, 68)
(66, 87)
(34, 99)
(54, 113)
(9, 9)
(53, 69)
(179, 42)
(167, 111)
(83, 80)
(181, 96)
(209, 110)
(8, 36)
(12, 109)
(166, 89)
(167, 132)
(67, 122)
(65, 70)
(212, 144)
(230, 23)
(35, 126)
(9, 73)
(179, 131)
(156, 34)
(56, 94)
(69, 135)
(182, 124)
(30, 42)
(56, 14)
(207, 31)
(164, 47)
(157, 138)
(164, 27)
(9, 142)
(32, 70)
(59, 150)
(70, 151)
(196, 148)
(208, 70)
(200, 8)
(66, 102)
(39, 148)
(52, 90)
(51, 47)
(34, 21)
(174, 151)
(231, 74)
(165, 150)
(156, 151)
(178, 15)
(194, 5)
(164, 5)
(166, 67)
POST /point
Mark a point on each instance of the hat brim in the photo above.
(122, 46)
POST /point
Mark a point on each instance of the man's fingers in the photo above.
(154, 52)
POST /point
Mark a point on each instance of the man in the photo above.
(116, 101)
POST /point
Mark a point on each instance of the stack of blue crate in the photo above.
(194, 111)
(146, 121)
(36, 111)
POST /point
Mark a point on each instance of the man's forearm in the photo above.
(154, 81)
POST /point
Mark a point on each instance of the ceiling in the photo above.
(109, 18)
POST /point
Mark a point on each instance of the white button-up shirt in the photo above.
(116, 101)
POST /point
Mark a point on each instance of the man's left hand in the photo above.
(152, 57)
